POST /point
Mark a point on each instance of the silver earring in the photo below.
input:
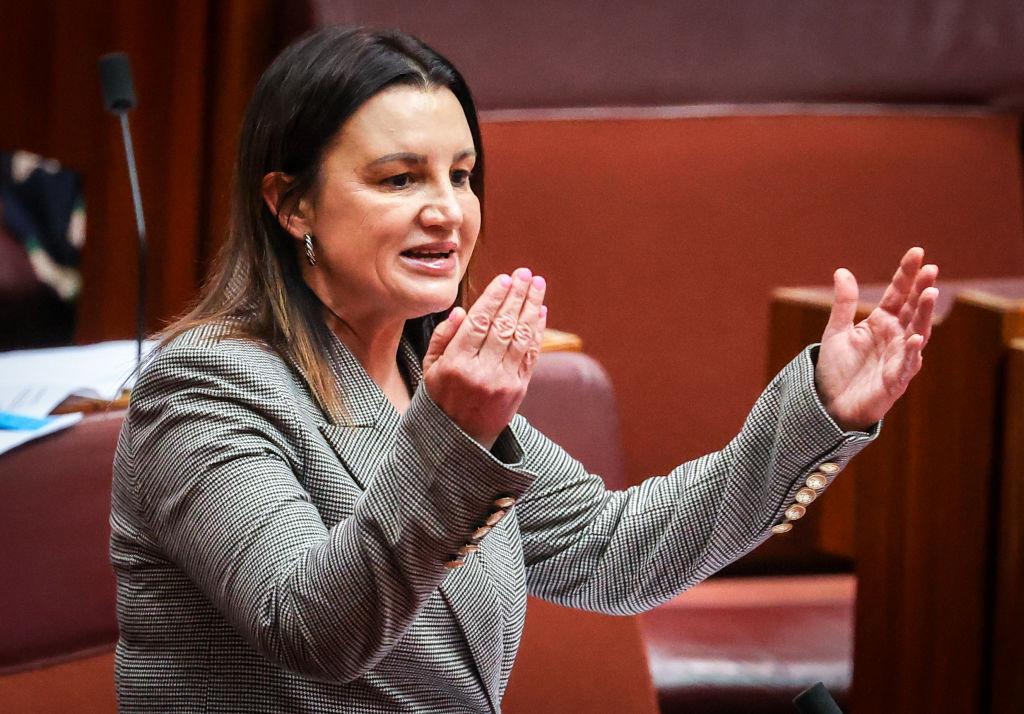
(310, 255)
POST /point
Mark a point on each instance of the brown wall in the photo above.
(661, 239)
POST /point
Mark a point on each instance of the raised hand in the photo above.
(478, 364)
(864, 368)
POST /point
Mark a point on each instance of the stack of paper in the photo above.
(33, 382)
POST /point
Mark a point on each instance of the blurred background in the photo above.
(668, 166)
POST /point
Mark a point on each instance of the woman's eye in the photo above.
(399, 181)
(461, 177)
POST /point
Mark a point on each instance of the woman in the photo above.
(323, 497)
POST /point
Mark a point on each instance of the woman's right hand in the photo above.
(478, 364)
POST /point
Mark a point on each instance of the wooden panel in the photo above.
(928, 515)
(797, 319)
(1008, 606)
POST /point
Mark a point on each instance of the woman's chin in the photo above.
(434, 301)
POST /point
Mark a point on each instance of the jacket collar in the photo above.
(363, 404)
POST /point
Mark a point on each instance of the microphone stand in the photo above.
(140, 225)
(119, 98)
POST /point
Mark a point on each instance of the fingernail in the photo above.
(523, 274)
(543, 311)
(539, 282)
(504, 281)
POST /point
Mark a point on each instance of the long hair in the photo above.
(255, 288)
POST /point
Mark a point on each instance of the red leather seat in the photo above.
(750, 644)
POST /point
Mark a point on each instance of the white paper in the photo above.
(33, 382)
(9, 438)
(100, 370)
(31, 400)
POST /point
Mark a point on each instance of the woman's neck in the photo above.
(376, 348)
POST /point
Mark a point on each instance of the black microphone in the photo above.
(816, 700)
(119, 98)
(116, 78)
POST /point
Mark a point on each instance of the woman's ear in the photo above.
(294, 215)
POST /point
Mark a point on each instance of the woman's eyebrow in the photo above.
(410, 158)
(404, 156)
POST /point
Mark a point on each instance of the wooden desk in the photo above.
(931, 513)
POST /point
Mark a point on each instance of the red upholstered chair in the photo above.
(57, 600)
(572, 661)
(750, 644)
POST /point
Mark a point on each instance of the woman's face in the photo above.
(394, 218)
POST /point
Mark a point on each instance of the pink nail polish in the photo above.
(504, 281)
(539, 282)
(543, 311)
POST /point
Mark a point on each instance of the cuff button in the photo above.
(829, 468)
(782, 528)
(504, 502)
(480, 532)
(454, 563)
(795, 512)
(817, 481)
(805, 496)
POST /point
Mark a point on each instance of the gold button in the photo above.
(795, 512)
(829, 468)
(495, 517)
(806, 495)
(782, 528)
(481, 532)
(817, 481)
(468, 548)
(454, 563)
(504, 502)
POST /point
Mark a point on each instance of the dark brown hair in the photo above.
(300, 103)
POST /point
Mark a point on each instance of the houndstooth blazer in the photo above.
(272, 559)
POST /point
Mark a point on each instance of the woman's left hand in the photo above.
(864, 368)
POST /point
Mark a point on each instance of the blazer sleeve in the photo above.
(624, 552)
(213, 444)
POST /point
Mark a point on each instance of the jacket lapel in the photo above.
(363, 429)
(360, 437)
(470, 590)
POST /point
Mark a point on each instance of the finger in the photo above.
(926, 277)
(442, 336)
(503, 326)
(912, 360)
(902, 281)
(526, 330)
(844, 304)
(473, 330)
(529, 360)
(922, 322)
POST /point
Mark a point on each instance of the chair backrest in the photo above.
(574, 661)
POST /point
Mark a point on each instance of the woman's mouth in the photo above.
(431, 262)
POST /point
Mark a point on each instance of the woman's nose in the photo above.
(442, 210)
